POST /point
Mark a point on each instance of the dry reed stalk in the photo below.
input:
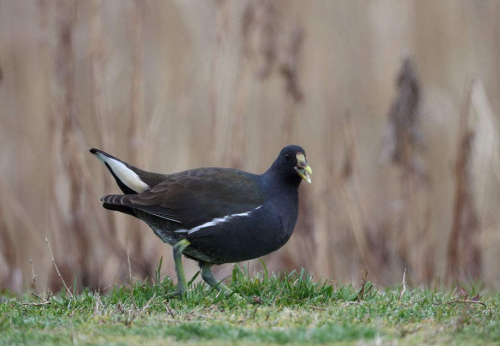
(486, 150)
(7, 255)
(260, 31)
(237, 152)
(246, 80)
(105, 133)
(403, 143)
(361, 293)
(248, 24)
(289, 68)
(106, 137)
(237, 60)
(46, 68)
(14, 220)
(304, 242)
(464, 253)
(403, 287)
(143, 261)
(52, 60)
(102, 119)
(351, 196)
(228, 95)
(325, 225)
(71, 169)
(65, 77)
(57, 269)
(135, 126)
(271, 19)
(33, 276)
(218, 63)
(270, 27)
(485, 163)
(15, 216)
(53, 213)
(428, 266)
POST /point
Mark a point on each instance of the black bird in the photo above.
(213, 215)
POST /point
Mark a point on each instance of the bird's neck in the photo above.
(283, 194)
(278, 185)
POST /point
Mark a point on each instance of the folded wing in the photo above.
(195, 197)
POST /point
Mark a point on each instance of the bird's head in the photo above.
(292, 162)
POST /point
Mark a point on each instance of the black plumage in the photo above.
(226, 215)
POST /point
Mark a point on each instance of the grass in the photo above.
(279, 309)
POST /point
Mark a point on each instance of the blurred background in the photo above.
(396, 104)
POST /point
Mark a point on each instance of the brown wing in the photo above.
(197, 196)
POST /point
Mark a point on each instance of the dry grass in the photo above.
(178, 85)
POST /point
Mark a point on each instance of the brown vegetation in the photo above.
(175, 85)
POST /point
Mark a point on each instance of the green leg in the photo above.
(179, 267)
(206, 274)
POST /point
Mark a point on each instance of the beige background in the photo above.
(172, 85)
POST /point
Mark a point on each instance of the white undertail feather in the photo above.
(125, 174)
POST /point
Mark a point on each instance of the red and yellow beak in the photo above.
(302, 168)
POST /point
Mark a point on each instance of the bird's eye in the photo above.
(287, 156)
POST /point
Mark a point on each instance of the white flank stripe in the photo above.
(126, 175)
(215, 222)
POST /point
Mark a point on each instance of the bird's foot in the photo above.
(209, 278)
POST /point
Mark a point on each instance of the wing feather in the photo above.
(195, 197)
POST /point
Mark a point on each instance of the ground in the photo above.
(277, 309)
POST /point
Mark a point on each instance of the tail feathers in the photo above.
(114, 202)
(130, 179)
(115, 199)
(125, 204)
